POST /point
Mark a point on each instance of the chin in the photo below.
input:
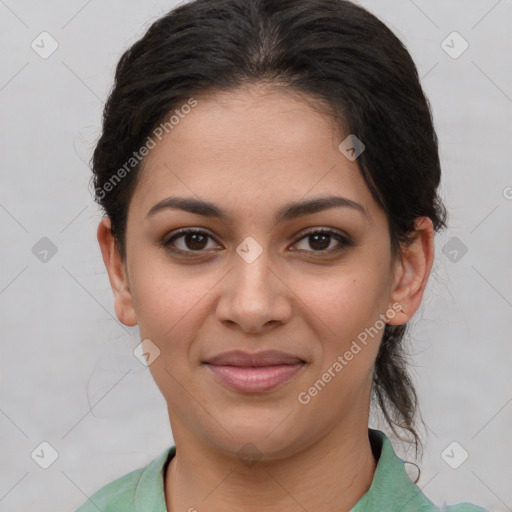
(257, 438)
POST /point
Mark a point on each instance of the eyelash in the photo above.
(342, 239)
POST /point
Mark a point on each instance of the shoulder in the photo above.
(392, 489)
(125, 493)
(115, 496)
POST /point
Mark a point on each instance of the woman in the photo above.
(268, 171)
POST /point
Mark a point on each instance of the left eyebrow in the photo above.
(288, 212)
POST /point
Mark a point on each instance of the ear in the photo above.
(116, 268)
(411, 271)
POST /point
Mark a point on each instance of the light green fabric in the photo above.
(391, 490)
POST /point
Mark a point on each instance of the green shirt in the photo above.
(391, 490)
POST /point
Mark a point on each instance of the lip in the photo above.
(254, 373)
(262, 358)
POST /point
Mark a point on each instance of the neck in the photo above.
(331, 474)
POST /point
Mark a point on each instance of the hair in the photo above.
(331, 51)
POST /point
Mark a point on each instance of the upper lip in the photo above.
(263, 358)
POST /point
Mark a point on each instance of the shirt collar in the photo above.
(149, 494)
(391, 488)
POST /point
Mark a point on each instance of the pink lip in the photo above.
(255, 379)
(254, 373)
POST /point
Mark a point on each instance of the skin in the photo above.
(251, 151)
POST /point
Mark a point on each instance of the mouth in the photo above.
(254, 373)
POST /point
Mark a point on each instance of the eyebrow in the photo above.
(288, 212)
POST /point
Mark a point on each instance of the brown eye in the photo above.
(192, 241)
(320, 241)
(195, 241)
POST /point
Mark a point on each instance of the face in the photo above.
(308, 283)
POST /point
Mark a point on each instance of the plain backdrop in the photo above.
(68, 374)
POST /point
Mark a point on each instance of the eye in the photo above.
(194, 240)
(319, 240)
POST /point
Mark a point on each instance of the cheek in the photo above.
(167, 300)
(348, 300)
(169, 308)
(349, 305)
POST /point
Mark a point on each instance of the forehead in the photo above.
(250, 149)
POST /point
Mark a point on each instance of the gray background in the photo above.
(68, 374)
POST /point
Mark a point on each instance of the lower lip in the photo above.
(255, 379)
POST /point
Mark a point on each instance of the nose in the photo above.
(255, 296)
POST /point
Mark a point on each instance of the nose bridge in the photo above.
(252, 275)
(255, 295)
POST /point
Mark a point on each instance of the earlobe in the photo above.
(116, 269)
(412, 271)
